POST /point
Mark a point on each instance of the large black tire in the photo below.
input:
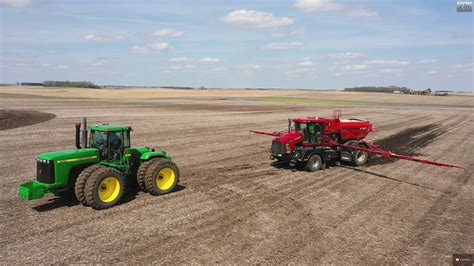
(81, 183)
(359, 157)
(141, 174)
(162, 177)
(105, 188)
(314, 163)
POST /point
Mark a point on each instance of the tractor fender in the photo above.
(153, 154)
(319, 152)
(74, 172)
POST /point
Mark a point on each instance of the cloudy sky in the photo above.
(312, 44)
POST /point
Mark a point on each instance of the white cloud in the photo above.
(356, 67)
(219, 69)
(136, 49)
(341, 62)
(317, 5)
(209, 60)
(278, 34)
(16, 3)
(22, 65)
(387, 62)
(464, 65)
(167, 33)
(281, 45)
(102, 38)
(150, 48)
(305, 63)
(93, 62)
(390, 71)
(181, 67)
(361, 13)
(253, 66)
(345, 56)
(63, 67)
(160, 46)
(180, 59)
(249, 68)
(45, 65)
(429, 73)
(251, 18)
(329, 5)
(426, 61)
(299, 31)
(301, 70)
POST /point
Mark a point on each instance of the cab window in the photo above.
(126, 139)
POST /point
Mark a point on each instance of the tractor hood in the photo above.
(88, 153)
(287, 137)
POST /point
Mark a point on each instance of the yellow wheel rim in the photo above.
(109, 189)
(165, 178)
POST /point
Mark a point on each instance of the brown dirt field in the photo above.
(234, 206)
(18, 118)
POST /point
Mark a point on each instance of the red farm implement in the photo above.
(315, 141)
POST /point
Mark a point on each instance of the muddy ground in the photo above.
(234, 205)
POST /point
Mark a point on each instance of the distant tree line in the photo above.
(389, 89)
(72, 84)
(177, 88)
(58, 83)
(30, 83)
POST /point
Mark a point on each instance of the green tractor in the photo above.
(99, 169)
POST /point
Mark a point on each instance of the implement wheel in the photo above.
(105, 188)
(162, 177)
(359, 157)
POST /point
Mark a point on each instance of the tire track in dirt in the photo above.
(365, 203)
(228, 198)
(426, 224)
(408, 141)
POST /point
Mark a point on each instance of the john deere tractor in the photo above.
(98, 170)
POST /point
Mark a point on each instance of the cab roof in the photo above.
(112, 128)
(311, 120)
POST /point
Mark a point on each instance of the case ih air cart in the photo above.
(313, 142)
(99, 169)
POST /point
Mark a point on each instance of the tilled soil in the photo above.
(18, 118)
(234, 205)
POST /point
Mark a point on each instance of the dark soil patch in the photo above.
(407, 142)
(19, 118)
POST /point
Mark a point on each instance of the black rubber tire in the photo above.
(314, 163)
(93, 183)
(141, 174)
(81, 183)
(152, 173)
(359, 157)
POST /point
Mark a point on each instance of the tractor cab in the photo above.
(110, 140)
(311, 130)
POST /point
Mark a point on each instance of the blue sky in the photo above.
(311, 44)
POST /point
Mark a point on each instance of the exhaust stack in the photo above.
(289, 125)
(84, 133)
(78, 129)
